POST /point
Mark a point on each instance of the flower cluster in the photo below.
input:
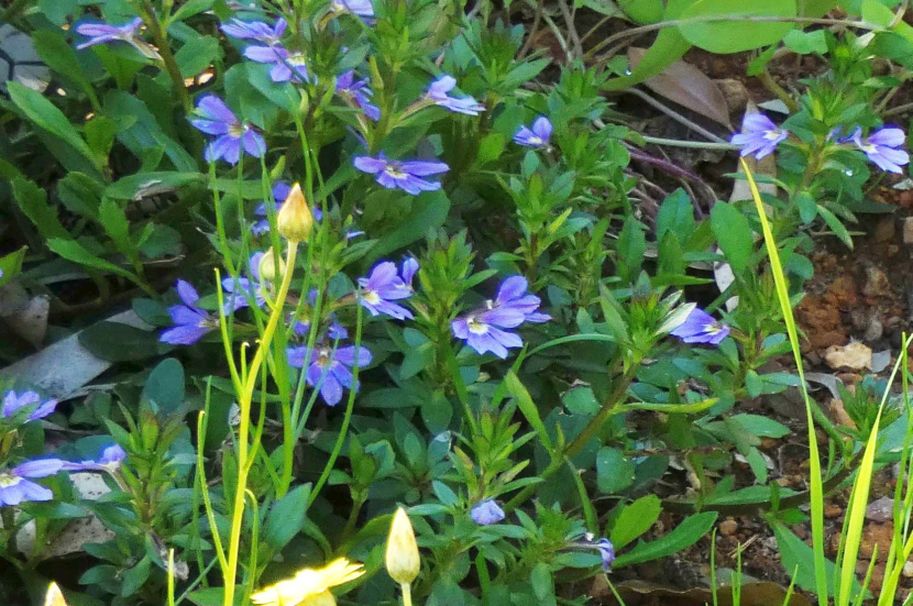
(883, 147)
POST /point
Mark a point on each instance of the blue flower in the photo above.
(108, 461)
(16, 486)
(357, 93)
(213, 117)
(241, 290)
(405, 175)
(759, 135)
(536, 136)
(328, 369)
(102, 33)
(281, 190)
(361, 8)
(484, 329)
(255, 30)
(190, 322)
(701, 327)
(384, 285)
(486, 512)
(288, 66)
(882, 148)
(437, 93)
(29, 401)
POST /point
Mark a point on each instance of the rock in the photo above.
(876, 534)
(876, 283)
(728, 527)
(874, 330)
(854, 356)
(734, 92)
(880, 510)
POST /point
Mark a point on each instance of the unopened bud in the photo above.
(402, 557)
(267, 266)
(295, 220)
(54, 597)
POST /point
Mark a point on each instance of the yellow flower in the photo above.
(295, 220)
(402, 558)
(310, 586)
(54, 597)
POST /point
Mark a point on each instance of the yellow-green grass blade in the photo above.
(816, 488)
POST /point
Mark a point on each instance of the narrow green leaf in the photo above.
(635, 519)
(691, 530)
(528, 408)
(33, 201)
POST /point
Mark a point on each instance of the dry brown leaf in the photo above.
(686, 85)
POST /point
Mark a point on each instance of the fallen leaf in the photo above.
(686, 85)
(65, 366)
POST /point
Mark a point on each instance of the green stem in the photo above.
(407, 594)
(615, 399)
(350, 407)
(244, 404)
(168, 61)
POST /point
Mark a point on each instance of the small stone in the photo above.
(832, 510)
(907, 570)
(876, 283)
(728, 527)
(734, 92)
(908, 229)
(874, 331)
(853, 356)
(880, 510)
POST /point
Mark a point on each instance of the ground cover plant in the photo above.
(401, 301)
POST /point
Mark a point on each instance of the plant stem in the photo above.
(675, 115)
(407, 594)
(164, 48)
(615, 399)
(244, 404)
(689, 144)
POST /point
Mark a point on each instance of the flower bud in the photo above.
(295, 220)
(54, 597)
(402, 557)
(267, 266)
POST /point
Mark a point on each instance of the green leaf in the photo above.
(676, 214)
(528, 408)
(669, 47)
(141, 134)
(797, 558)
(71, 250)
(47, 116)
(733, 235)
(134, 187)
(133, 578)
(642, 11)
(681, 537)
(80, 194)
(60, 57)
(113, 218)
(191, 8)
(116, 342)
(428, 212)
(836, 226)
(197, 54)
(100, 133)
(631, 248)
(635, 519)
(737, 34)
(11, 265)
(543, 586)
(165, 386)
(806, 43)
(286, 517)
(614, 471)
(33, 201)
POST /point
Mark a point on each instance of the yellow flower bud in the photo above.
(402, 557)
(267, 267)
(54, 597)
(295, 220)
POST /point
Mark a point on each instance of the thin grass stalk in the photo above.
(816, 487)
